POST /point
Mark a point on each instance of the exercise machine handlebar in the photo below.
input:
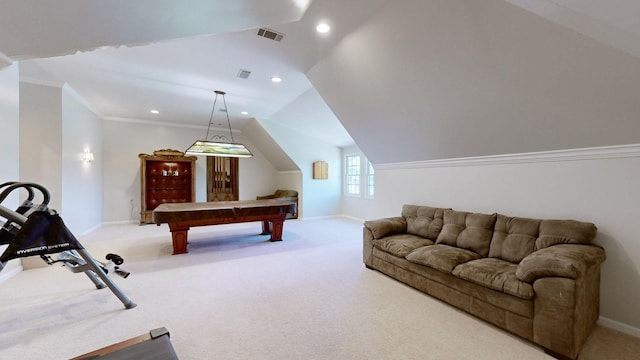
(10, 186)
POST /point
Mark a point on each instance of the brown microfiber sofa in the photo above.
(539, 279)
(287, 195)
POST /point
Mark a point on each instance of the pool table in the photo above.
(182, 216)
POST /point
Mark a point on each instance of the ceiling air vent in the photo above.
(270, 34)
(244, 74)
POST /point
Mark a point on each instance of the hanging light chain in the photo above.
(226, 111)
(211, 117)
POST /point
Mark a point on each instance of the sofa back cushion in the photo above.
(470, 231)
(280, 193)
(554, 232)
(514, 238)
(424, 221)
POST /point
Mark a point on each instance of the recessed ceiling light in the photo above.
(155, 112)
(323, 28)
(276, 79)
(244, 113)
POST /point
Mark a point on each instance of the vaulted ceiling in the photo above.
(127, 58)
(426, 79)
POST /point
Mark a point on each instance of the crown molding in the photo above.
(152, 122)
(163, 123)
(64, 87)
(69, 90)
(4, 61)
(594, 153)
(42, 82)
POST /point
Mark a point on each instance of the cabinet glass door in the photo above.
(222, 178)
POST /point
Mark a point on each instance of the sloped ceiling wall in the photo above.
(452, 78)
(614, 22)
(269, 147)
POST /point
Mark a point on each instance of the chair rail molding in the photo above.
(594, 153)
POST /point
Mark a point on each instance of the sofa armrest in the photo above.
(385, 227)
(562, 260)
(265, 197)
(375, 229)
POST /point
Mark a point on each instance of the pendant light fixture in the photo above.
(218, 145)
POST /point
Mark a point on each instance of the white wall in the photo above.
(257, 175)
(10, 128)
(318, 198)
(356, 207)
(124, 140)
(41, 138)
(9, 145)
(55, 127)
(81, 181)
(289, 180)
(599, 186)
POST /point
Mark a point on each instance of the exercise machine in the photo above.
(33, 229)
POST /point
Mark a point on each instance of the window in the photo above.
(359, 176)
(352, 175)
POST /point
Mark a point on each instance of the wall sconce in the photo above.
(320, 170)
(87, 156)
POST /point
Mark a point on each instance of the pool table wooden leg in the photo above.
(179, 237)
(266, 227)
(276, 230)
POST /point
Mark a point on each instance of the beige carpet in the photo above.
(238, 296)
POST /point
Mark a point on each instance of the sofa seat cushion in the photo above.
(495, 274)
(435, 282)
(401, 245)
(441, 257)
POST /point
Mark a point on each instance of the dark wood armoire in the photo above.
(167, 176)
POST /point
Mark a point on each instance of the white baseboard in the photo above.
(313, 218)
(91, 230)
(7, 274)
(352, 218)
(120, 222)
(616, 325)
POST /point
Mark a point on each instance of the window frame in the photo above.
(348, 185)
